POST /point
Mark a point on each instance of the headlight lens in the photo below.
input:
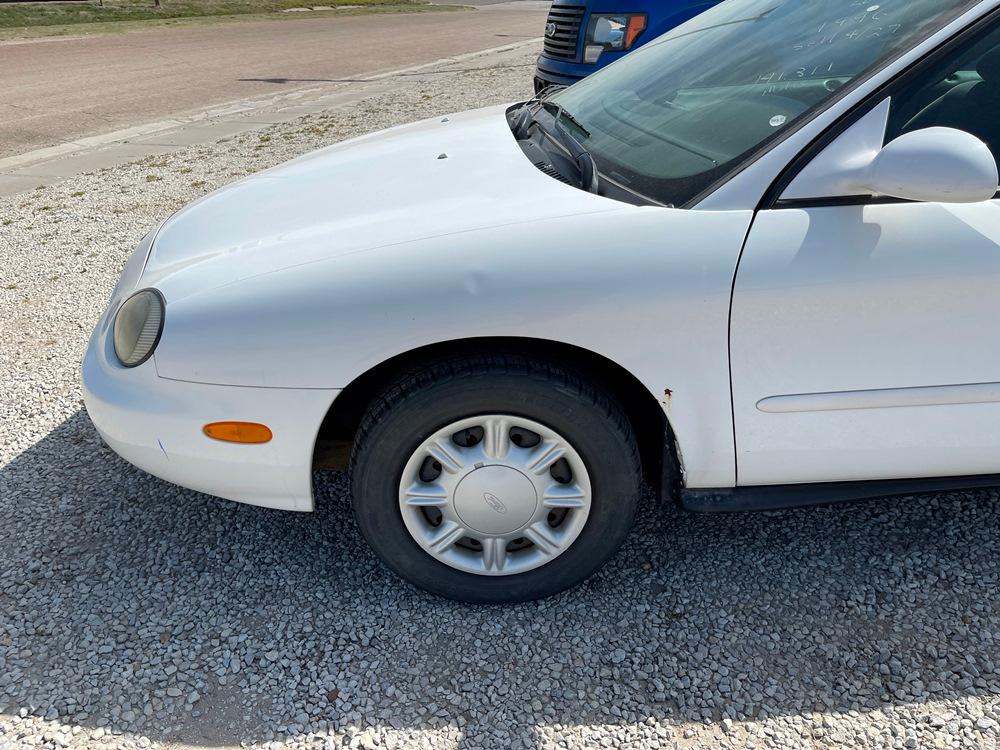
(612, 31)
(138, 326)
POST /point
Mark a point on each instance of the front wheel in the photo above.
(495, 478)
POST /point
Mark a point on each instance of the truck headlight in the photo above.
(612, 31)
(138, 326)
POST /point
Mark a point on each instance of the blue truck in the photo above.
(582, 36)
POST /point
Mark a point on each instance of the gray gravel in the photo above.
(137, 614)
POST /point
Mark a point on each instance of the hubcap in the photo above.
(495, 495)
(495, 500)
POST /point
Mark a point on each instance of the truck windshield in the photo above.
(675, 116)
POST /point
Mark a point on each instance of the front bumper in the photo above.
(544, 80)
(156, 424)
(558, 73)
(550, 71)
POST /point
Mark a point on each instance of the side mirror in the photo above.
(940, 165)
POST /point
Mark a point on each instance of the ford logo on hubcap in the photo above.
(494, 502)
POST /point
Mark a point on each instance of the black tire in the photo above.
(428, 399)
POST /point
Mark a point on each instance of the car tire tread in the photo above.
(572, 384)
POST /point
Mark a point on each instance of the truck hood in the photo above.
(438, 177)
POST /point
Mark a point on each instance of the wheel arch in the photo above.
(659, 451)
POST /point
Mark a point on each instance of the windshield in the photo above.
(676, 115)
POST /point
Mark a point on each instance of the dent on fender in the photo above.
(473, 283)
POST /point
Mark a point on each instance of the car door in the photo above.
(864, 332)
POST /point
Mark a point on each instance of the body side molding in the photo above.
(887, 398)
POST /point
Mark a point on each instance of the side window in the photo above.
(962, 92)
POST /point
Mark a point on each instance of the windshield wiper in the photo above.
(561, 114)
(523, 117)
(589, 179)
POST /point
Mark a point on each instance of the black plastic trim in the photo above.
(842, 201)
(787, 496)
(846, 200)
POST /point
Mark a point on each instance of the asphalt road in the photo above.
(57, 90)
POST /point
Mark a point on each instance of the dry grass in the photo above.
(29, 20)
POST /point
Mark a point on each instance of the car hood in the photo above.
(438, 177)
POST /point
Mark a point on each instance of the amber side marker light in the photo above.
(636, 25)
(249, 433)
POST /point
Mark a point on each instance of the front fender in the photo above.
(648, 288)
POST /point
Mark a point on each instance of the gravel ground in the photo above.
(134, 613)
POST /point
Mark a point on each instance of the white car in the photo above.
(756, 262)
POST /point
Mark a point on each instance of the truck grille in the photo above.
(562, 32)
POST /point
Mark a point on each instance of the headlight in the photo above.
(613, 31)
(138, 325)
